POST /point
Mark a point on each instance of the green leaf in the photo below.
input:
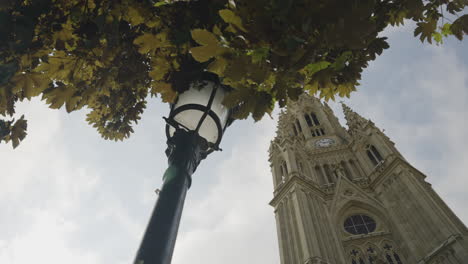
(259, 55)
(445, 30)
(312, 68)
(437, 37)
(340, 62)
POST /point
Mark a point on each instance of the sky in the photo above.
(69, 196)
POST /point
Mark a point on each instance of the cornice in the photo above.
(441, 248)
(380, 174)
(286, 187)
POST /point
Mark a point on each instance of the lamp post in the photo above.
(194, 129)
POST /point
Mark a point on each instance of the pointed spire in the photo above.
(353, 119)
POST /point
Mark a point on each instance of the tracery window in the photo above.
(314, 124)
(390, 253)
(373, 154)
(359, 224)
(356, 256)
(373, 253)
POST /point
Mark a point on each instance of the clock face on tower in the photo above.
(324, 142)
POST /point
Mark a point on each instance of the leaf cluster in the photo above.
(110, 55)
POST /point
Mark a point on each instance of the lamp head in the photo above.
(200, 110)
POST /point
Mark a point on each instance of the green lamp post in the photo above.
(194, 129)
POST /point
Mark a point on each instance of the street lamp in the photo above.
(194, 129)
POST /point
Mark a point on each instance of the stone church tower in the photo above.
(347, 196)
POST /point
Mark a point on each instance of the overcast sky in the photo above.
(68, 196)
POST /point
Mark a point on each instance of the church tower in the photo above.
(347, 196)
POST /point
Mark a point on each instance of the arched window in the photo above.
(308, 120)
(376, 153)
(371, 157)
(391, 254)
(313, 122)
(299, 128)
(372, 251)
(314, 117)
(373, 154)
(356, 256)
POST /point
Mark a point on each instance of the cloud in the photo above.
(233, 222)
(422, 106)
(44, 242)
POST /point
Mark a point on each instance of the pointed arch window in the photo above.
(315, 129)
(391, 254)
(308, 120)
(356, 256)
(314, 117)
(299, 128)
(373, 154)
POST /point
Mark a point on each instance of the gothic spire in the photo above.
(353, 119)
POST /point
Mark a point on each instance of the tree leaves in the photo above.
(149, 43)
(62, 94)
(426, 29)
(230, 17)
(29, 84)
(13, 131)
(210, 48)
(460, 27)
(109, 55)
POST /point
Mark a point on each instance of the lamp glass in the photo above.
(196, 101)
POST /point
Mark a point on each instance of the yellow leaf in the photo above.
(345, 89)
(31, 84)
(149, 42)
(58, 67)
(85, 72)
(216, 30)
(66, 35)
(60, 95)
(312, 87)
(210, 45)
(218, 66)
(204, 37)
(91, 4)
(134, 16)
(230, 17)
(328, 93)
(160, 67)
(165, 89)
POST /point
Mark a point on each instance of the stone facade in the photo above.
(348, 196)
